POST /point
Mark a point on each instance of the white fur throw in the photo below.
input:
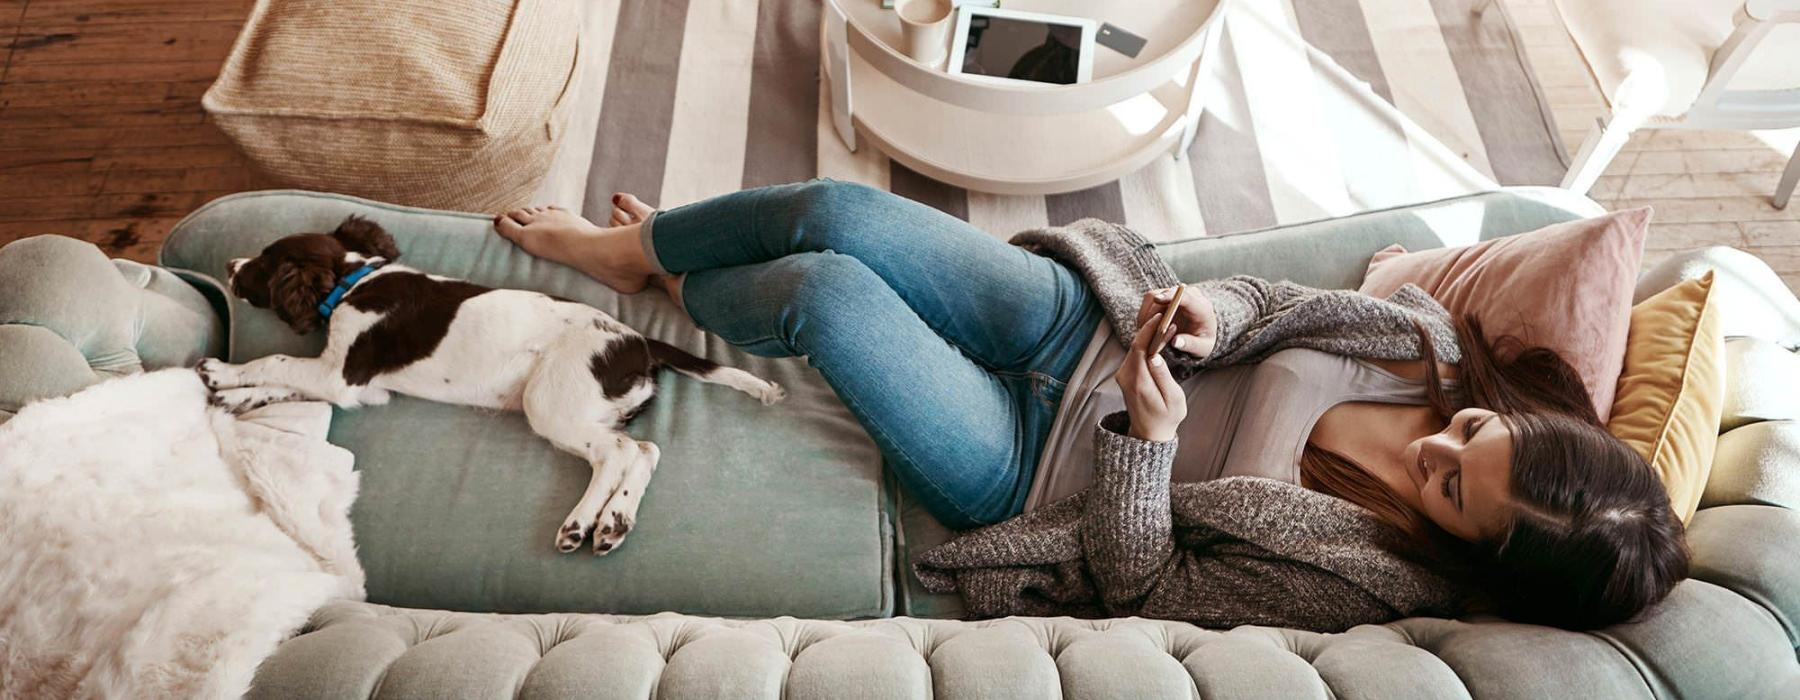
(152, 546)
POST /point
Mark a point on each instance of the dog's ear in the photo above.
(360, 235)
(295, 292)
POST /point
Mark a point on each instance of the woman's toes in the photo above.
(508, 228)
(620, 216)
(632, 205)
(522, 215)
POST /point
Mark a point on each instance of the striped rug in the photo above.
(1315, 108)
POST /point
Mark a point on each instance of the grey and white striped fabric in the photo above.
(1315, 108)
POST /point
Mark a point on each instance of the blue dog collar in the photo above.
(343, 287)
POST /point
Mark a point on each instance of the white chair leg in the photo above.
(837, 72)
(1789, 178)
(1602, 145)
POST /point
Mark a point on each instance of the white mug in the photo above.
(925, 27)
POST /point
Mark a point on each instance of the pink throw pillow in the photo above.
(1566, 287)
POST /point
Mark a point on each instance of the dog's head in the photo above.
(293, 275)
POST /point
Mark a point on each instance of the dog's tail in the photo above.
(666, 355)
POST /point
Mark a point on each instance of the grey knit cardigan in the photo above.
(1221, 553)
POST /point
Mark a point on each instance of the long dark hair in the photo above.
(1592, 540)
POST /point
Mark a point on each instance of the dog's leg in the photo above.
(249, 398)
(620, 513)
(312, 377)
(610, 467)
(219, 375)
(564, 404)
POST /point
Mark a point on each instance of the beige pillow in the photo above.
(1671, 393)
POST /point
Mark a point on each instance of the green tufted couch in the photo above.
(759, 514)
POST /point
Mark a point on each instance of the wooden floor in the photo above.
(102, 135)
(101, 132)
(1708, 187)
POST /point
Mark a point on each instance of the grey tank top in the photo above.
(1245, 420)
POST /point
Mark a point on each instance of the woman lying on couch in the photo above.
(1338, 459)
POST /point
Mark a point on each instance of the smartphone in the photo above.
(1168, 316)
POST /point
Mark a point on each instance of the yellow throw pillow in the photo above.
(1672, 390)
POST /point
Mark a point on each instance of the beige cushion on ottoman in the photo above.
(453, 105)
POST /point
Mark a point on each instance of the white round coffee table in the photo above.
(1022, 138)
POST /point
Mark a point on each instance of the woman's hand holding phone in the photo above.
(1195, 322)
(1153, 399)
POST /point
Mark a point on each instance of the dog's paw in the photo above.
(568, 539)
(246, 399)
(771, 393)
(213, 373)
(231, 400)
(614, 525)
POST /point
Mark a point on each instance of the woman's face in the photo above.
(1464, 474)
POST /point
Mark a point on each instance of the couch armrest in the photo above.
(1758, 464)
(70, 317)
(1755, 302)
(1746, 536)
(1758, 459)
(1755, 552)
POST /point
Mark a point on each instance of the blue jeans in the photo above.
(950, 347)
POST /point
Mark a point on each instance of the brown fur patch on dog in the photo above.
(416, 312)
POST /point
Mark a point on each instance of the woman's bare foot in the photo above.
(613, 256)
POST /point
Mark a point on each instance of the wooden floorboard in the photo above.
(102, 136)
(101, 132)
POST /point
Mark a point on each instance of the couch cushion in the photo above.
(754, 510)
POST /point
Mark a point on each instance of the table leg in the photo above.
(1789, 179)
(1196, 84)
(837, 69)
(1190, 120)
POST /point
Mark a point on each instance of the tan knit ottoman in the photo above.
(450, 105)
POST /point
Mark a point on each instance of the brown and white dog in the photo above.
(577, 373)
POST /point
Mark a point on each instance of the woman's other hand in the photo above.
(1196, 322)
(1153, 399)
